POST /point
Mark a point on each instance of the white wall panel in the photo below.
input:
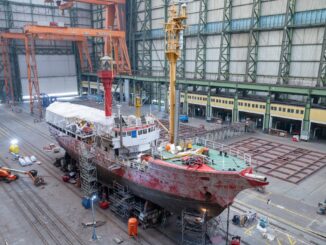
(270, 38)
(304, 69)
(158, 55)
(157, 18)
(157, 24)
(240, 12)
(212, 4)
(212, 66)
(57, 73)
(158, 44)
(238, 67)
(213, 41)
(190, 66)
(193, 13)
(50, 65)
(238, 54)
(304, 5)
(191, 54)
(273, 7)
(239, 40)
(308, 36)
(215, 15)
(269, 53)
(53, 85)
(191, 43)
(157, 3)
(212, 54)
(157, 65)
(267, 68)
(306, 53)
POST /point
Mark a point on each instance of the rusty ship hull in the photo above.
(172, 187)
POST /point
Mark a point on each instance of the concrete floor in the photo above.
(63, 200)
(291, 211)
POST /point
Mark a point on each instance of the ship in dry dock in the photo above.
(201, 175)
(175, 175)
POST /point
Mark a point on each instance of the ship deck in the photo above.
(215, 160)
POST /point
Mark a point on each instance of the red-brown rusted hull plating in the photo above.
(171, 187)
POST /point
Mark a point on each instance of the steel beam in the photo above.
(185, 109)
(71, 31)
(166, 17)
(286, 48)
(235, 111)
(208, 106)
(145, 20)
(131, 30)
(181, 62)
(8, 15)
(97, 42)
(262, 87)
(321, 82)
(225, 44)
(267, 116)
(32, 75)
(252, 53)
(305, 128)
(200, 60)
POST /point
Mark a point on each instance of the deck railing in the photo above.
(232, 151)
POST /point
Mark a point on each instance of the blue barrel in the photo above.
(86, 202)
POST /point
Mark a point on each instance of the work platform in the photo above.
(284, 161)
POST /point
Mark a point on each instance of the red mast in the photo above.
(107, 77)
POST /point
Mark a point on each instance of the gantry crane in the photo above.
(28, 40)
(115, 45)
(115, 49)
(119, 53)
(172, 51)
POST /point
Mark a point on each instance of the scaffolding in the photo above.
(88, 172)
(194, 227)
(122, 201)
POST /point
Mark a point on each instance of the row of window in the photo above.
(273, 108)
(283, 109)
(192, 97)
(222, 101)
(252, 105)
(140, 132)
(144, 131)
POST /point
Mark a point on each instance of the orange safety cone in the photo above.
(133, 227)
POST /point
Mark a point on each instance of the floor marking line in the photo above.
(292, 241)
(278, 241)
(280, 207)
(276, 218)
(248, 231)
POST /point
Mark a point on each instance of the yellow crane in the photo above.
(172, 51)
(138, 106)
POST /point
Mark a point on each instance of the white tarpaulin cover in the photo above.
(63, 114)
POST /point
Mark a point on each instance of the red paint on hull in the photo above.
(204, 186)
